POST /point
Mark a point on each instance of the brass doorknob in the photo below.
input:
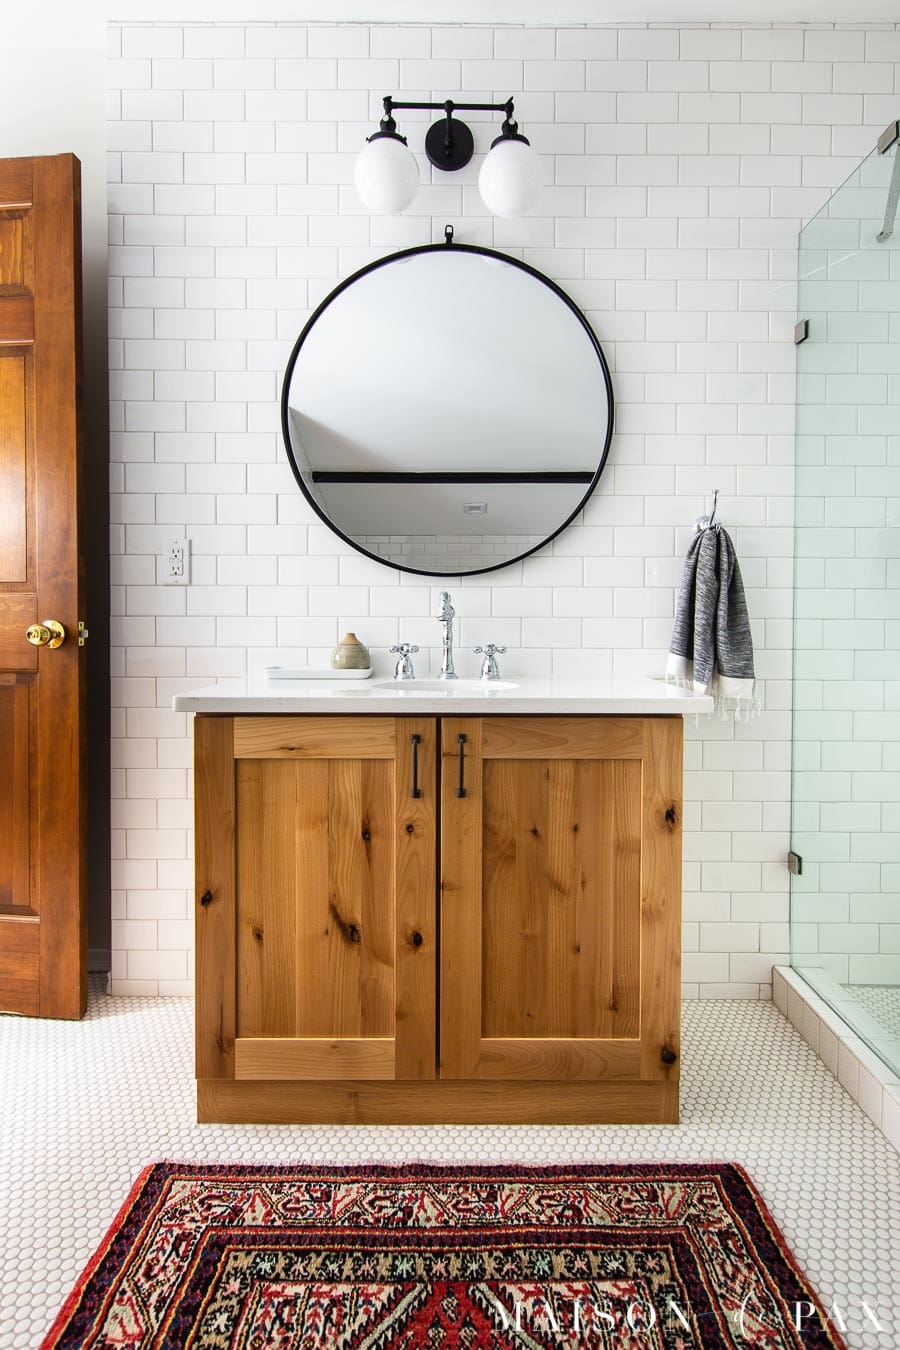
(50, 633)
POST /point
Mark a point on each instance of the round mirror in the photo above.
(447, 410)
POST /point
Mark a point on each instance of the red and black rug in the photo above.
(661, 1256)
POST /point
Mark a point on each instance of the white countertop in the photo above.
(602, 694)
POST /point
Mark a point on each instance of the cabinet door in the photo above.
(316, 897)
(560, 897)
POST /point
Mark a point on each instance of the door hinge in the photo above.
(795, 863)
(887, 138)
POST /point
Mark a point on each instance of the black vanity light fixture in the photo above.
(387, 175)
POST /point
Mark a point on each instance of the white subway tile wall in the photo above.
(680, 164)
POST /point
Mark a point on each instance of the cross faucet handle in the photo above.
(489, 668)
(404, 668)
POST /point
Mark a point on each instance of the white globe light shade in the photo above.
(510, 180)
(386, 175)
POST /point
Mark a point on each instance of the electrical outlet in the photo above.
(176, 562)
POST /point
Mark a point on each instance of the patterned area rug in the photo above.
(661, 1256)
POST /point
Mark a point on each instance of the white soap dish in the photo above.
(326, 673)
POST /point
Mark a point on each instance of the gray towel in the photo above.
(712, 649)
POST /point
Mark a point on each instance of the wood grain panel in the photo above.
(16, 321)
(312, 1058)
(344, 900)
(214, 853)
(661, 926)
(13, 475)
(357, 997)
(460, 903)
(16, 184)
(559, 737)
(18, 611)
(310, 998)
(415, 919)
(20, 966)
(266, 794)
(439, 1102)
(322, 737)
(315, 845)
(15, 251)
(559, 1058)
(15, 793)
(617, 986)
(561, 903)
(514, 914)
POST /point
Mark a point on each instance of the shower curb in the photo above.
(869, 1081)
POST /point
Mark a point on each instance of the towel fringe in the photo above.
(743, 707)
(679, 681)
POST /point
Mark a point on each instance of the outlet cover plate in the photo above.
(176, 562)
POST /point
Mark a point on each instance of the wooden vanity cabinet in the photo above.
(427, 919)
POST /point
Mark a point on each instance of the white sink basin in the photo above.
(468, 687)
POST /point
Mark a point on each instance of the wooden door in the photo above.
(316, 901)
(560, 910)
(43, 938)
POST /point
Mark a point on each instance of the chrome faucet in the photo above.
(445, 616)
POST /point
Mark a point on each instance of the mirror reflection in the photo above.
(447, 410)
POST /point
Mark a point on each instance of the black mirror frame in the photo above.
(384, 262)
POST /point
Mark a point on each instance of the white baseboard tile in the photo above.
(870, 1082)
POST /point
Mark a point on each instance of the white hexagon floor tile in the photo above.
(86, 1105)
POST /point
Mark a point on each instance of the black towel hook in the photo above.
(708, 522)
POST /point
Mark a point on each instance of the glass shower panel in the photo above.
(845, 905)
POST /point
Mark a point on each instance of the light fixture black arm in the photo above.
(448, 106)
(449, 144)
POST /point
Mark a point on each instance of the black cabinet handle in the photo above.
(415, 791)
(461, 789)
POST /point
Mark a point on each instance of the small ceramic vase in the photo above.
(350, 654)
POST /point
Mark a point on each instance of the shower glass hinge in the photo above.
(801, 331)
(795, 863)
(887, 138)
